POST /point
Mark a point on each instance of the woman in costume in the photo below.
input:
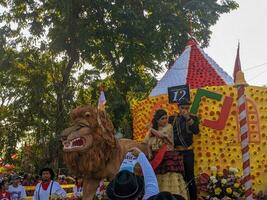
(167, 164)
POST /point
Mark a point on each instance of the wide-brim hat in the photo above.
(126, 185)
(47, 169)
(166, 196)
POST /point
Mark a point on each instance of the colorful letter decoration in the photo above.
(218, 124)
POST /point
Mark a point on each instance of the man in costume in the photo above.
(185, 125)
(48, 188)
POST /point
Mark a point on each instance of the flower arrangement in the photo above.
(224, 185)
(101, 191)
(55, 197)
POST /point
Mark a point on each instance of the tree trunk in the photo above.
(73, 56)
(61, 113)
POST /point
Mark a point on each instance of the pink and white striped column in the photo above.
(240, 84)
(244, 141)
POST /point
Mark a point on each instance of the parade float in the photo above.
(218, 102)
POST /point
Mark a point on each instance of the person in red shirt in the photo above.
(4, 194)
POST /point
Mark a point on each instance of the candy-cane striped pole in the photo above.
(244, 141)
(240, 84)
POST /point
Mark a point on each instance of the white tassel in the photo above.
(99, 122)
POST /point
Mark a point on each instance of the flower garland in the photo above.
(56, 197)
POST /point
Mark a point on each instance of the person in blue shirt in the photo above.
(128, 186)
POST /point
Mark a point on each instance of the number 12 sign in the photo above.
(178, 93)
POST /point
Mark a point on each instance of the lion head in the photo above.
(89, 142)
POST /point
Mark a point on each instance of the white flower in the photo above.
(214, 180)
(233, 170)
(224, 181)
(212, 177)
(215, 198)
(213, 169)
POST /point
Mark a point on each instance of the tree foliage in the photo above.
(56, 53)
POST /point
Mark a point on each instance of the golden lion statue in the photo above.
(91, 149)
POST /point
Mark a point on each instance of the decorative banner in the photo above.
(178, 93)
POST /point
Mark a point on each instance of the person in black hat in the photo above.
(48, 187)
(128, 186)
(166, 196)
(185, 125)
(47, 173)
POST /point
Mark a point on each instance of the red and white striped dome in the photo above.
(194, 68)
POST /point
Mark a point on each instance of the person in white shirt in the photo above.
(16, 190)
(166, 196)
(48, 188)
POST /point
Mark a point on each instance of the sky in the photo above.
(247, 24)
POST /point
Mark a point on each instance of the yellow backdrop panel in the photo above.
(218, 146)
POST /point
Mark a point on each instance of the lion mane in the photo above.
(90, 148)
(94, 159)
